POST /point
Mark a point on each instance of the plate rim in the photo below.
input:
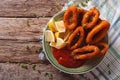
(55, 65)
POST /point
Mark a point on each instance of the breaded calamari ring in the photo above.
(90, 18)
(98, 32)
(86, 52)
(81, 12)
(70, 17)
(78, 31)
(103, 47)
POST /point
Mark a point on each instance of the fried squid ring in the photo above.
(78, 31)
(86, 52)
(98, 32)
(103, 48)
(90, 18)
(70, 17)
(81, 12)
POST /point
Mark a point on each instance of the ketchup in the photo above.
(65, 59)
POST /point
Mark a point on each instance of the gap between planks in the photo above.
(30, 8)
(16, 35)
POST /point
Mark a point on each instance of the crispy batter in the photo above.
(98, 32)
(80, 31)
(70, 17)
(90, 18)
(81, 12)
(104, 48)
(87, 28)
(86, 52)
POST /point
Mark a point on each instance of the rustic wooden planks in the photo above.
(30, 8)
(17, 34)
(19, 39)
(11, 71)
(20, 31)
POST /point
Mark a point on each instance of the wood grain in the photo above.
(10, 71)
(30, 8)
(19, 39)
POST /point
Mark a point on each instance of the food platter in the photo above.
(89, 65)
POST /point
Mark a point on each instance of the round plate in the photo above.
(89, 65)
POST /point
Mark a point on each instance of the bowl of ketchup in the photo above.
(63, 61)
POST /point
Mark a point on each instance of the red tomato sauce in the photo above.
(65, 59)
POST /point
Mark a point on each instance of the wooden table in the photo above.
(21, 25)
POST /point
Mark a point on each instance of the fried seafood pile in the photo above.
(88, 31)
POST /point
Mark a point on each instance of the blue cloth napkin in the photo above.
(109, 68)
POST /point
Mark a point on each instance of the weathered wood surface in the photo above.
(9, 71)
(19, 39)
(30, 8)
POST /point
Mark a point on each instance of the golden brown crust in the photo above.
(90, 18)
(104, 48)
(71, 23)
(98, 32)
(79, 30)
(90, 52)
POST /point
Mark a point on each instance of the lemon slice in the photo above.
(51, 25)
(49, 36)
(53, 44)
(59, 43)
(63, 35)
(60, 26)
(59, 35)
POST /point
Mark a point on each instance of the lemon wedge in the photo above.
(53, 44)
(60, 26)
(51, 25)
(49, 36)
(63, 35)
(59, 43)
(59, 35)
